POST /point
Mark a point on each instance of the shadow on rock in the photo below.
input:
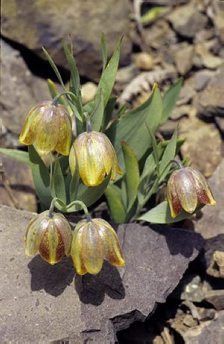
(181, 241)
(92, 288)
(53, 279)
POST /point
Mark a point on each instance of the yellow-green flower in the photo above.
(93, 241)
(186, 189)
(48, 127)
(50, 236)
(95, 157)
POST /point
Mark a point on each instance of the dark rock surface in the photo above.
(16, 189)
(49, 22)
(20, 90)
(212, 222)
(41, 303)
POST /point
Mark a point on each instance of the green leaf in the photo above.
(58, 182)
(108, 112)
(108, 76)
(41, 177)
(161, 214)
(16, 154)
(170, 98)
(132, 126)
(74, 185)
(55, 68)
(75, 80)
(90, 195)
(52, 89)
(114, 200)
(104, 50)
(98, 112)
(168, 155)
(132, 173)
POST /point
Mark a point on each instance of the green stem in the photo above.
(177, 162)
(88, 122)
(55, 100)
(83, 206)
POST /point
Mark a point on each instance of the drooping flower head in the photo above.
(48, 127)
(94, 156)
(50, 236)
(93, 241)
(186, 189)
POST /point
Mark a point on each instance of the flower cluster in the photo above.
(93, 241)
(48, 128)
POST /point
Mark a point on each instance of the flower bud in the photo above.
(93, 241)
(95, 157)
(48, 127)
(186, 189)
(50, 236)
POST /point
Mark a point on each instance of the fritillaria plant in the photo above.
(78, 152)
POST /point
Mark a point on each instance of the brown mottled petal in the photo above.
(76, 249)
(65, 131)
(111, 245)
(203, 191)
(172, 196)
(186, 191)
(47, 131)
(92, 249)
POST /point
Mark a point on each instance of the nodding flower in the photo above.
(50, 236)
(187, 189)
(94, 156)
(48, 127)
(93, 241)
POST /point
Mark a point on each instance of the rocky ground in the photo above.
(165, 39)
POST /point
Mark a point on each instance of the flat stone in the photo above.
(50, 22)
(187, 20)
(183, 57)
(202, 145)
(20, 90)
(211, 223)
(18, 189)
(41, 303)
(210, 102)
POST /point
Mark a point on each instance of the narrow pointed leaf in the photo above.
(58, 182)
(75, 80)
(104, 50)
(168, 155)
(132, 173)
(132, 126)
(16, 154)
(98, 112)
(108, 76)
(54, 67)
(41, 177)
(116, 207)
(170, 98)
(161, 215)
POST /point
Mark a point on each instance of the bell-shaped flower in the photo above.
(93, 241)
(48, 127)
(51, 236)
(187, 189)
(94, 156)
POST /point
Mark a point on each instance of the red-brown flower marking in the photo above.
(186, 189)
(50, 236)
(93, 241)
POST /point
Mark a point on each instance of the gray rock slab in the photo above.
(46, 23)
(41, 303)
(20, 90)
(211, 223)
